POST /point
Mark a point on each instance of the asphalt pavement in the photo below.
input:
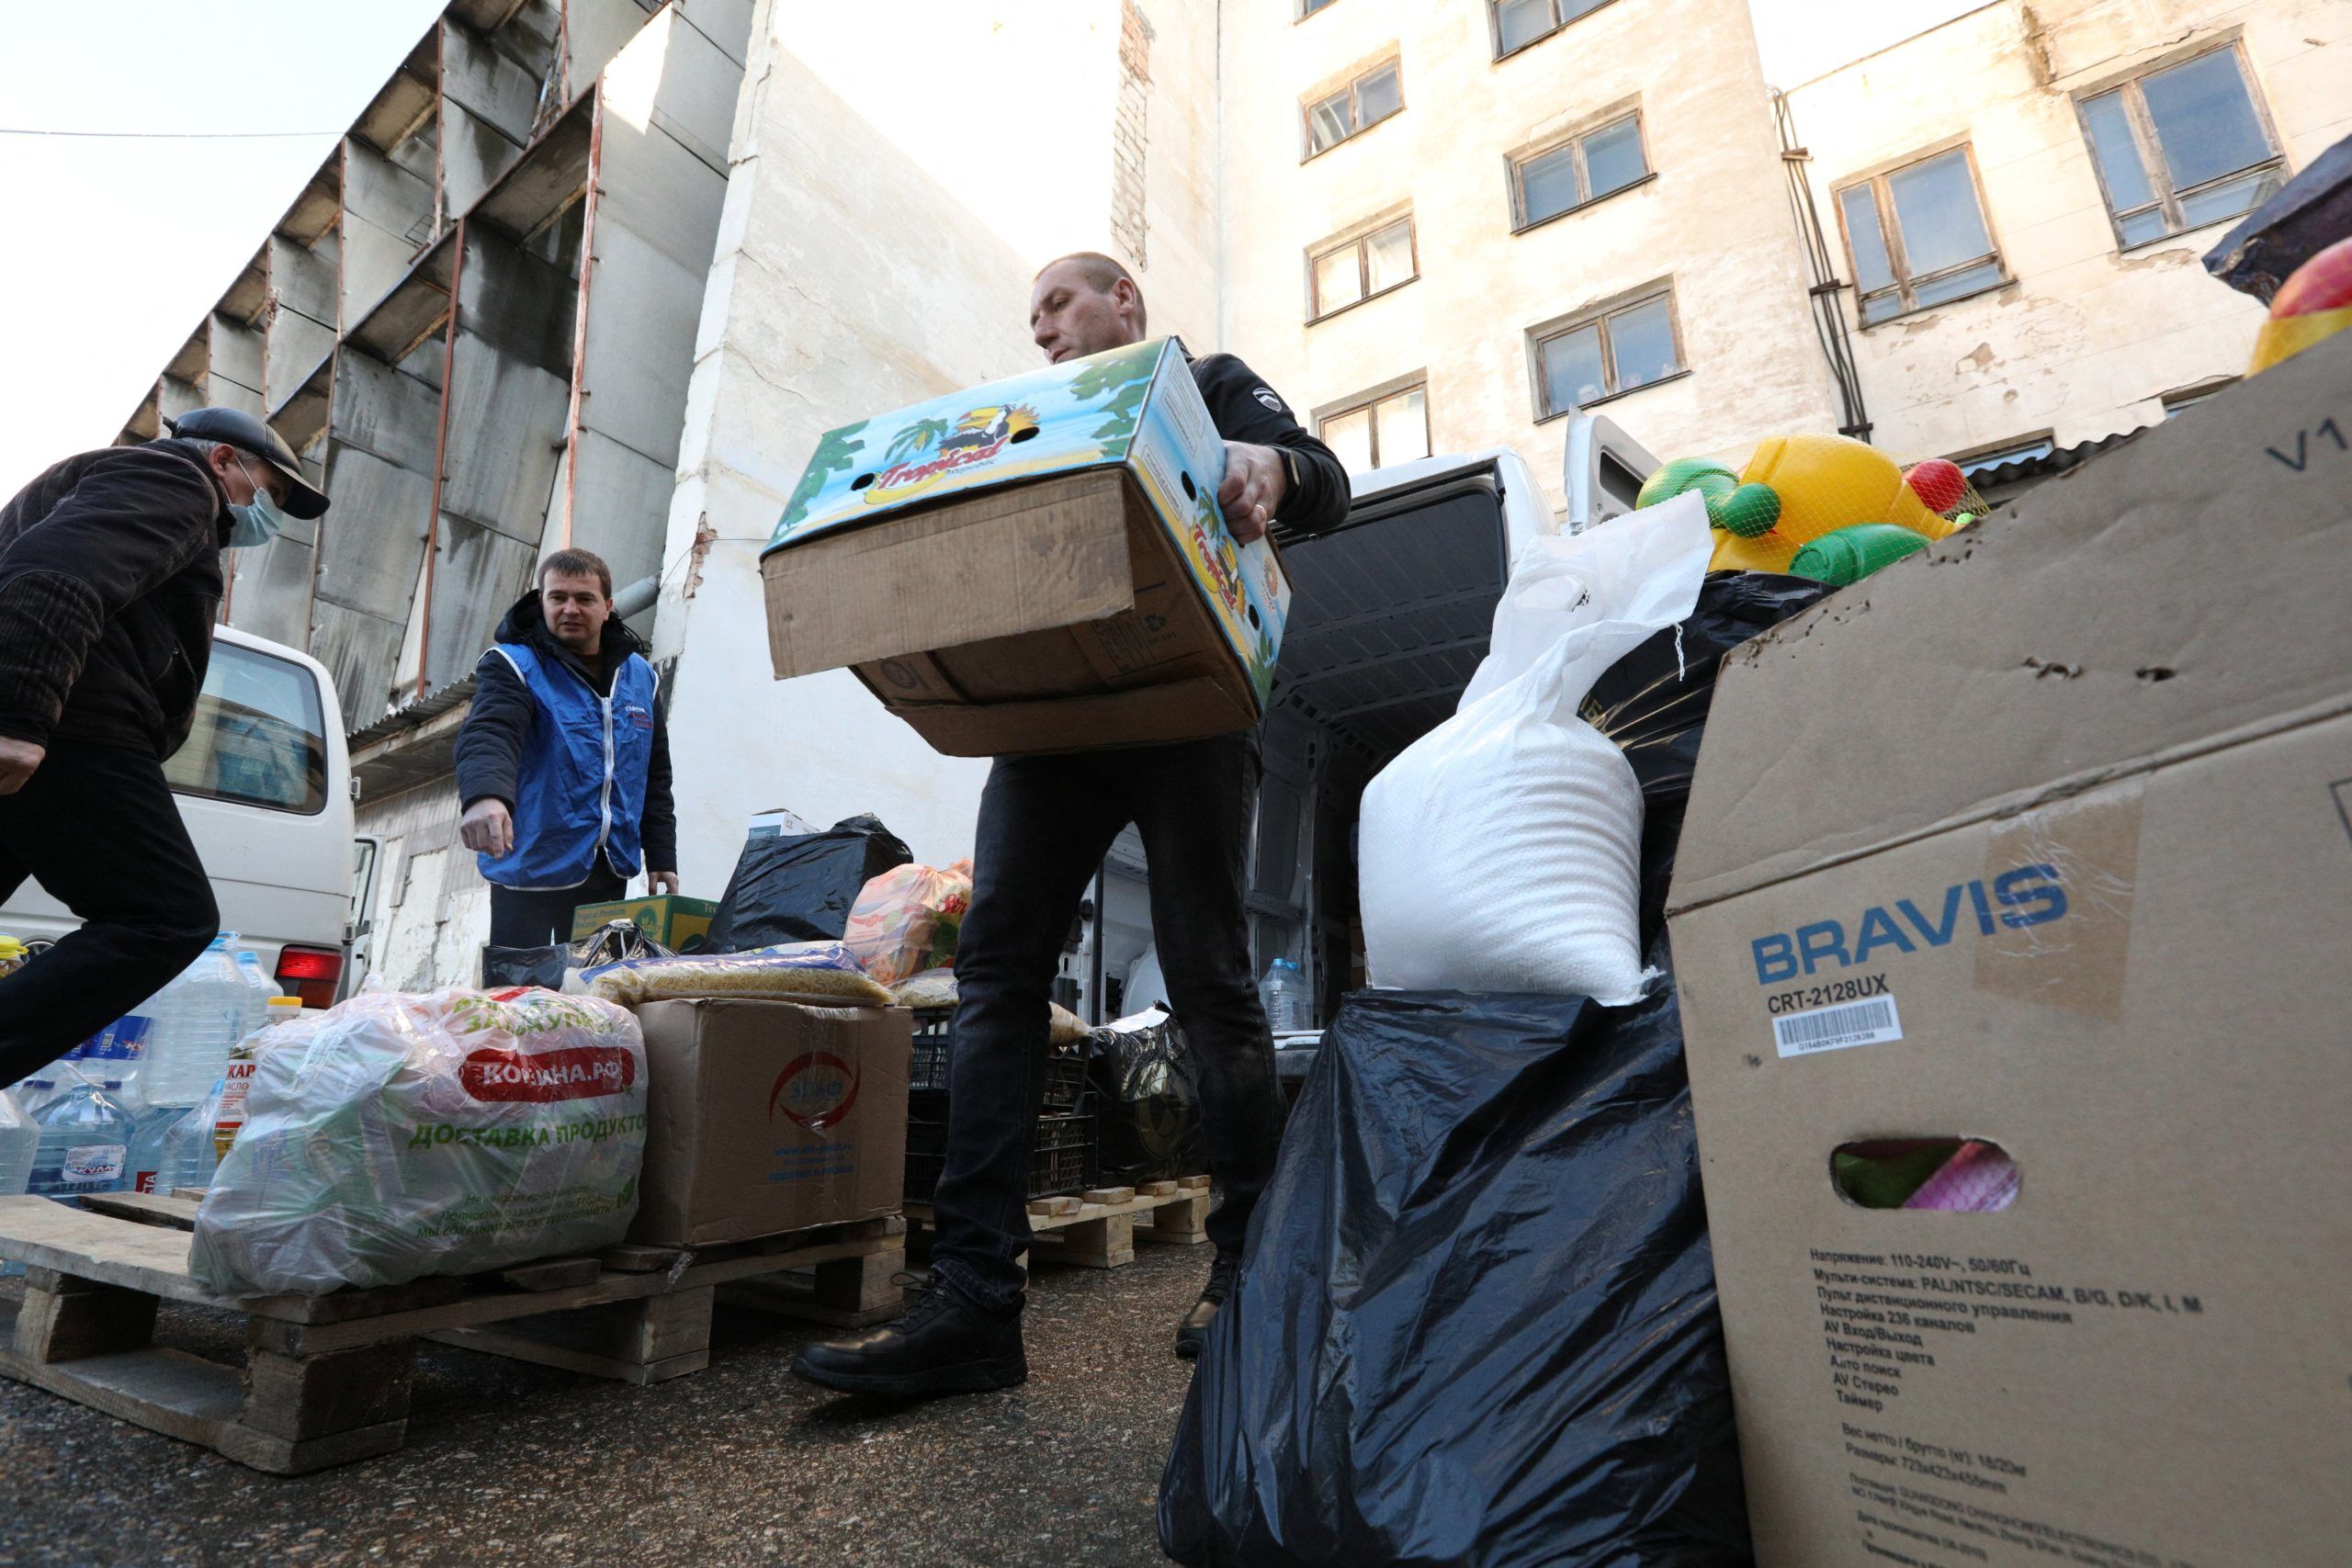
(741, 1462)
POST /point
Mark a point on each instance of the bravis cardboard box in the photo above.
(1034, 565)
(767, 1116)
(2043, 838)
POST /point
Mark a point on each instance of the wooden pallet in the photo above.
(1098, 1229)
(326, 1379)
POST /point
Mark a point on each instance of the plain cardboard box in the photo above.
(2061, 808)
(1034, 565)
(677, 923)
(766, 1116)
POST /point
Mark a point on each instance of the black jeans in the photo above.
(98, 828)
(1045, 823)
(542, 920)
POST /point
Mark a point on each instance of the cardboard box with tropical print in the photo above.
(1035, 564)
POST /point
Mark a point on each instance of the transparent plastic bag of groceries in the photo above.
(906, 920)
(1502, 851)
(401, 1135)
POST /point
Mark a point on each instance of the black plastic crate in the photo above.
(927, 1078)
(928, 1074)
(1061, 1157)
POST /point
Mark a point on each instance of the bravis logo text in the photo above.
(2028, 896)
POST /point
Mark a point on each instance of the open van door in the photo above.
(1390, 615)
(359, 926)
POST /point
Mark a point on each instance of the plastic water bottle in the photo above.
(35, 1092)
(198, 1018)
(149, 1124)
(186, 1157)
(1283, 992)
(18, 1140)
(118, 1051)
(229, 1100)
(85, 1143)
(262, 988)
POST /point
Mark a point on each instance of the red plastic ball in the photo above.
(1938, 484)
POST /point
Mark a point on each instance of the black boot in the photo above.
(943, 1345)
(1195, 1330)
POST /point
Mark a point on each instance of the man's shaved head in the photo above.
(1084, 303)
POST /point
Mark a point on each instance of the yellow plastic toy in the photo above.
(1827, 482)
(1798, 489)
(1769, 552)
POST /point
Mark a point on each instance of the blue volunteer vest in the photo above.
(580, 783)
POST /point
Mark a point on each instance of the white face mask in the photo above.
(258, 521)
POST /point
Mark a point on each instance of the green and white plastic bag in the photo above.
(405, 1135)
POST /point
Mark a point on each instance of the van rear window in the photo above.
(260, 735)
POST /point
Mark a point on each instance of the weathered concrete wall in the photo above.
(897, 176)
(2085, 340)
(1714, 219)
(430, 910)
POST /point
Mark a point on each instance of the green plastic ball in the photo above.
(1748, 512)
(1678, 475)
(1846, 556)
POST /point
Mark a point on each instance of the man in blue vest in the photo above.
(564, 760)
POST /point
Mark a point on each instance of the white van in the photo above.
(264, 787)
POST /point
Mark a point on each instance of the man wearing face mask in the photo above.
(110, 579)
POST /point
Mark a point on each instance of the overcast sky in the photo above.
(119, 242)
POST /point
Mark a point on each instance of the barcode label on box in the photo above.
(1872, 1023)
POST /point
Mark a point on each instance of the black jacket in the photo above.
(1245, 409)
(109, 583)
(490, 748)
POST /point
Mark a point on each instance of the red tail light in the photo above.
(310, 973)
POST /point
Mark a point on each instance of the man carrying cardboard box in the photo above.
(1045, 823)
(564, 760)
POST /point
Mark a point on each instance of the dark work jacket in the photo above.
(109, 583)
(490, 748)
(1245, 409)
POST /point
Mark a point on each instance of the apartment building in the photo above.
(1446, 225)
(2021, 198)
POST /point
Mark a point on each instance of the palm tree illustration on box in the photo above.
(836, 451)
(1126, 376)
(914, 438)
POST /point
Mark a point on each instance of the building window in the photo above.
(1308, 7)
(1379, 430)
(2180, 147)
(1519, 23)
(2017, 451)
(1347, 272)
(1916, 236)
(2181, 402)
(1581, 170)
(1605, 353)
(1361, 105)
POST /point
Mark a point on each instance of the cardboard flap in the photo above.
(2182, 591)
(1025, 560)
(1190, 709)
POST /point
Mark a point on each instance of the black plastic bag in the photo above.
(616, 942)
(503, 966)
(1477, 1321)
(801, 888)
(1146, 1103)
(1654, 702)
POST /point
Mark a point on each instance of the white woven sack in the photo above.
(1502, 851)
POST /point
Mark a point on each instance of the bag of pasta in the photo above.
(824, 973)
